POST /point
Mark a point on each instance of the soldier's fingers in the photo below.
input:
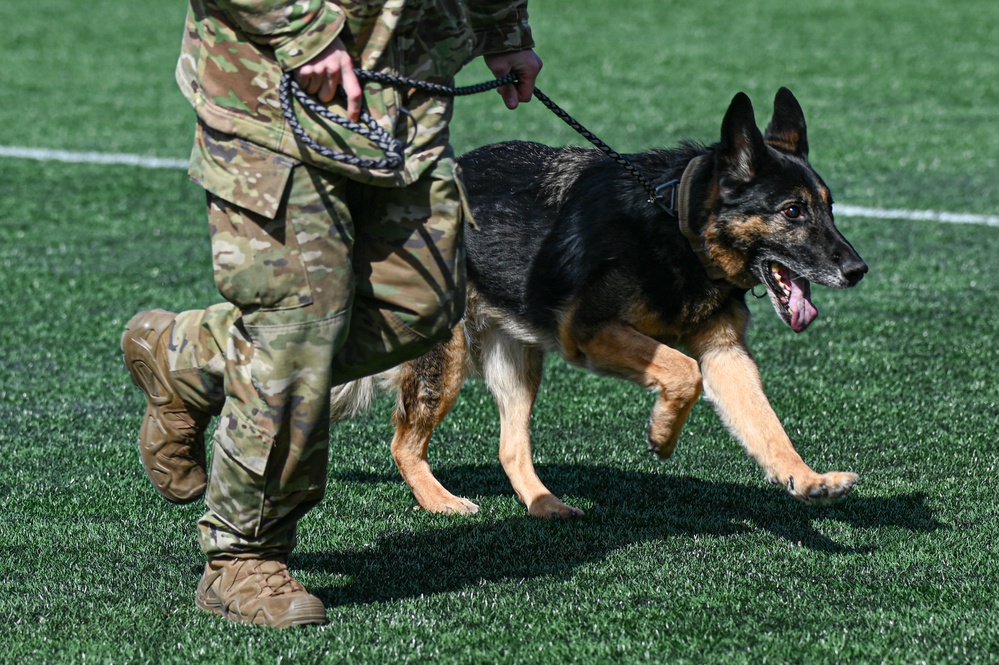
(327, 87)
(527, 66)
(308, 82)
(352, 87)
(525, 88)
(509, 95)
(508, 92)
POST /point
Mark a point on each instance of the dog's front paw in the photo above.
(551, 507)
(819, 489)
(663, 447)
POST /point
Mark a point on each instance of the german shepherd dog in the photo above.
(566, 253)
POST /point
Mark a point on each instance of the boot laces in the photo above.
(275, 580)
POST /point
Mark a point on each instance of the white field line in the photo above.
(46, 155)
(140, 161)
(916, 215)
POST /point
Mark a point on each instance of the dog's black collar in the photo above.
(674, 197)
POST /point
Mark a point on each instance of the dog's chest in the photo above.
(683, 317)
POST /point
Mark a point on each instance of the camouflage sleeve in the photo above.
(500, 26)
(297, 30)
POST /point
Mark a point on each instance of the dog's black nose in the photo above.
(854, 271)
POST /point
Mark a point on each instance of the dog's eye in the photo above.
(791, 212)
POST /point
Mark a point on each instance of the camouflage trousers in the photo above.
(346, 281)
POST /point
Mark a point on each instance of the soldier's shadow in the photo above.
(625, 507)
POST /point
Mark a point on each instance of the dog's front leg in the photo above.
(732, 383)
(621, 350)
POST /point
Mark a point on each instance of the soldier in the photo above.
(330, 272)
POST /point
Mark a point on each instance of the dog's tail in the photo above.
(349, 399)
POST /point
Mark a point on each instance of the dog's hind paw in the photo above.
(451, 505)
(820, 489)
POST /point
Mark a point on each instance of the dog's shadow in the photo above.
(624, 508)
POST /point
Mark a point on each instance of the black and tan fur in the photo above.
(566, 254)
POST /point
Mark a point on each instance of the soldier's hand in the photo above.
(525, 64)
(321, 76)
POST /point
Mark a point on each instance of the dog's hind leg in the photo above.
(427, 391)
(512, 371)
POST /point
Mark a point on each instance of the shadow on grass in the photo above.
(626, 507)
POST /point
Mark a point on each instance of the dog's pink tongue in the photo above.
(803, 312)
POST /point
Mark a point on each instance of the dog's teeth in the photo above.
(775, 271)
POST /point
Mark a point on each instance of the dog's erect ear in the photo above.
(741, 148)
(786, 131)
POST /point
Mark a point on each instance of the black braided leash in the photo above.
(393, 148)
(654, 193)
(368, 128)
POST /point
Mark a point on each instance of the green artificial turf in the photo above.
(695, 559)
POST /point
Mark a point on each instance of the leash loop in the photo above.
(368, 127)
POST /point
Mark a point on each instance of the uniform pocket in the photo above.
(257, 261)
(237, 491)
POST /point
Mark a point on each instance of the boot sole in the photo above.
(262, 618)
(140, 362)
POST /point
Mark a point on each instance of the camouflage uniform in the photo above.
(330, 272)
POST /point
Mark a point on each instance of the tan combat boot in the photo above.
(172, 437)
(259, 591)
